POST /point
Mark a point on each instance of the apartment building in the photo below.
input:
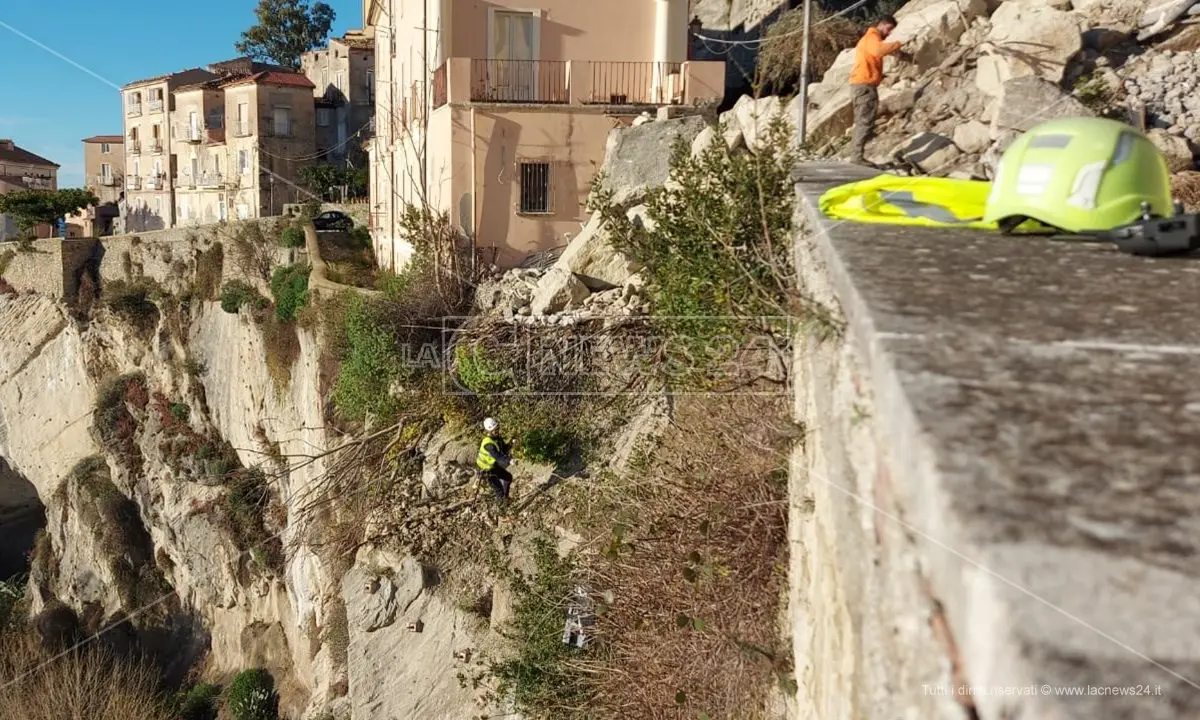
(23, 170)
(498, 113)
(242, 130)
(149, 148)
(104, 175)
(241, 141)
(343, 75)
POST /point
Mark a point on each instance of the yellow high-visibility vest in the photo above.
(484, 460)
(926, 201)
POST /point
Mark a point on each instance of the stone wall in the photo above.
(169, 257)
(990, 492)
(50, 267)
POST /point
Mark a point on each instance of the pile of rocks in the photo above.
(1165, 83)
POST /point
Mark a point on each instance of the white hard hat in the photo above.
(490, 424)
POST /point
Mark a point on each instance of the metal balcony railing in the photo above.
(184, 181)
(106, 180)
(211, 179)
(519, 81)
(133, 182)
(134, 147)
(133, 110)
(634, 83)
(156, 105)
(154, 182)
(240, 128)
(154, 145)
(440, 88)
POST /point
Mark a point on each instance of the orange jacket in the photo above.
(868, 58)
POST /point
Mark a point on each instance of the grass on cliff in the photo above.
(88, 683)
(781, 54)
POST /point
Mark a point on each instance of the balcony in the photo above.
(156, 106)
(155, 145)
(576, 82)
(133, 110)
(241, 128)
(106, 180)
(133, 182)
(635, 83)
(542, 82)
(133, 147)
(211, 179)
(184, 181)
(154, 182)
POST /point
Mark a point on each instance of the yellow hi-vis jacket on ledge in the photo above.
(927, 201)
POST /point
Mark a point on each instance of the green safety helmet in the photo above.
(1079, 175)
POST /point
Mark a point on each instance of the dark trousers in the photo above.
(500, 479)
(866, 107)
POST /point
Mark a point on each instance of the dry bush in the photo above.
(86, 683)
(281, 343)
(1185, 187)
(781, 55)
(695, 558)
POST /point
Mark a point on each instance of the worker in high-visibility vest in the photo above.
(494, 459)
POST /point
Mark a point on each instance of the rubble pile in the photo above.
(1165, 83)
(985, 71)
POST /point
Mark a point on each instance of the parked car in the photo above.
(333, 220)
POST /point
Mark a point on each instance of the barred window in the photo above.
(535, 187)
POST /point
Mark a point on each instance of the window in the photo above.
(243, 162)
(158, 206)
(535, 188)
(137, 168)
(243, 119)
(281, 118)
(105, 148)
(323, 117)
(106, 171)
(371, 80)
(339, 81)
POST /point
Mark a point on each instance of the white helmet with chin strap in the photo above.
(490, 424)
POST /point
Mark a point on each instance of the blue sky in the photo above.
(51, 105)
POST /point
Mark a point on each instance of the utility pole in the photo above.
(802, 125)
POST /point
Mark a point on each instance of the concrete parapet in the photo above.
(995, 503)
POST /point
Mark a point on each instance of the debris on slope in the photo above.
(983, 72)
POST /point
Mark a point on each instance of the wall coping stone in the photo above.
(1041, 403)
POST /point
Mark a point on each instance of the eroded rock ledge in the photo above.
(998, 487)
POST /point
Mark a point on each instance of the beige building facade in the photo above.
(204, 145)
(21, 169)
(498, 113)
(343, 76)
(104, 176)
(242, 141)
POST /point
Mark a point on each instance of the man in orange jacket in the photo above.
(865, 78)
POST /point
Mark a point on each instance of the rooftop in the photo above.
(10, 152)
(358, 42)
(182, 77)
(283, 79)
(110, 139)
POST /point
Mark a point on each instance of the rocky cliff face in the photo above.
(144, 445)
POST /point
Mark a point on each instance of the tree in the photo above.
(30, 208)
(286, 29)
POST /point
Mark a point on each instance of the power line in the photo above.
(755, 44)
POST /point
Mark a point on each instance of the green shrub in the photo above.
(235, 294)
(478, 373)
(289, 287)
(252, 696)
(371, 363)
(133, 301)
(546, 429)
(201, 702)
(359, 237)
(717, 249)
(12, 595)
(245, 508)
(541, 676)
(292, 237)
(547, 445)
